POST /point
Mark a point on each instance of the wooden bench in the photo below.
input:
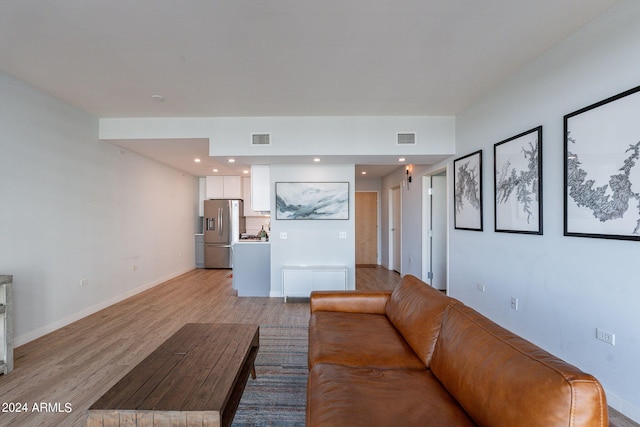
(195, 378)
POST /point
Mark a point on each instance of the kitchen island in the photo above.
(252, 268)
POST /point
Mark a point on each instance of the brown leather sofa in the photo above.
(415, 357)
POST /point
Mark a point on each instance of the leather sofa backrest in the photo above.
(416, 310)
(501, 379)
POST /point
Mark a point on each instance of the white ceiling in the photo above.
(228, 58)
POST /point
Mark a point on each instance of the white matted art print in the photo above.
(518, 183)
(602, 175)
(467, 192)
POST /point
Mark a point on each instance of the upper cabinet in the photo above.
(223, 187)
(260, 188)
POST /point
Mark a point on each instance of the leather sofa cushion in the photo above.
(343, 396)
(501, 379)
(372, 302)
(416, 310)
(357, 339)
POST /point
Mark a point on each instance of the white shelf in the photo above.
(301, 280)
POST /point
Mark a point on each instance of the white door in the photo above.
(396, 231)
(435, 231)
(439, 231)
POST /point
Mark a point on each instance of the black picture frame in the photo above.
(517, 177)
(467, 192)
(601, 170)
(312, 200)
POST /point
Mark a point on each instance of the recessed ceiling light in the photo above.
(157, 98)
(215, 170)
(196, 160)
(364, 172)
(245, 171)
(231, 160)
(402, 159)
(316, 160)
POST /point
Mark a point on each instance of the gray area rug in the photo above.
(277, 397)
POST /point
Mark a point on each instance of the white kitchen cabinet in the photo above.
(252, 268)
(300, 281)
(260, 188)
(223, 187)
(246, 196)
(199, 250)
(6, 324)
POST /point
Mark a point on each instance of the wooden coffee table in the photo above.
(195, 378)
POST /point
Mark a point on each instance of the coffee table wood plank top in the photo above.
(196, 377)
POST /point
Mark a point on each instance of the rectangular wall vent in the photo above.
(261, 139)
(406, 138)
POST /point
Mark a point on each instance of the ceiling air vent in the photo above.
(261, 139)
(406, 138)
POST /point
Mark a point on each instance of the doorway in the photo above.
(435, 246)
(395, 230)
(366, 228)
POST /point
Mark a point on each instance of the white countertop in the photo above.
(251, 242)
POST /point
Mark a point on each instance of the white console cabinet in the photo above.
(6, 324)
(299, 281)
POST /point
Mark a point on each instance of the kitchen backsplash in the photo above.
(255, 223)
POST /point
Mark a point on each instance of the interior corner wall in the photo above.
(567, 286)
(312, 242)
(76, 208)
(411, 219)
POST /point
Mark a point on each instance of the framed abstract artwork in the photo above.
(601, 171)
(517, 173)
(312, 200)
(467, 192)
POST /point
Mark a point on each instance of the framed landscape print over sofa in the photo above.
(312, 200)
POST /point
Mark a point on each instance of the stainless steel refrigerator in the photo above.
(223, 223)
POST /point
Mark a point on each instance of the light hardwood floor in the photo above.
(67, 370)
(76, 364)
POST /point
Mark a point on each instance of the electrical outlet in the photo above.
(480, 287)
(283, 235)
(342, 235)
(605, 336)
(84, 282)
(515, 303)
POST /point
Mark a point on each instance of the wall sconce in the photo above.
(408, 176)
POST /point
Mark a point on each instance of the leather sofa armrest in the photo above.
(371, 302)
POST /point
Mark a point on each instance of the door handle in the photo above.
(220, 222)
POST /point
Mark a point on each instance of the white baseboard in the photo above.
(624, 407)
(37, 333)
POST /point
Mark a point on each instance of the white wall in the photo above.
(312, 242)
(74, 207)
(411, 205)
(566, 286)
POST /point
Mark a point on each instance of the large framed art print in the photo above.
(601, 171)
(312, 200)
(517, 175)
(467, 192)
